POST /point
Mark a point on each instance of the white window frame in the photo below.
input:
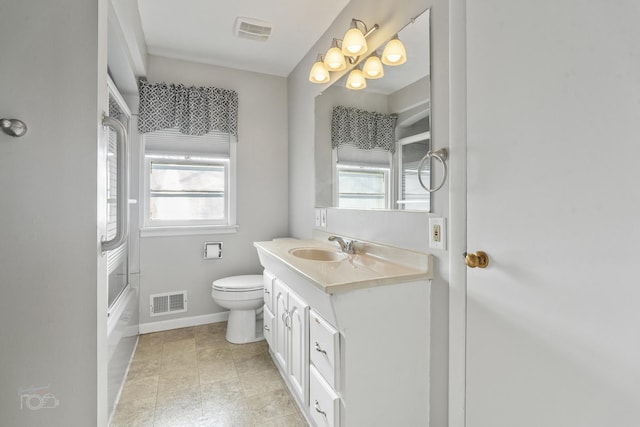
(346, 166)
(150, 228)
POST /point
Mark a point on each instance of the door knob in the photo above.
(479, 259)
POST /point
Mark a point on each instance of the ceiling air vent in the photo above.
(254, 29)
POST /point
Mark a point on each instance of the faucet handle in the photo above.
(351, 247)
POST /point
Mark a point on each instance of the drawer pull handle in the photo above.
(319, 349)
(320, 411)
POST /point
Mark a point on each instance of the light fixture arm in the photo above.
(367, 31)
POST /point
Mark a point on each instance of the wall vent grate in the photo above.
(168, 303)
(254, 29)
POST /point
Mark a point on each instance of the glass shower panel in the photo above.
(117, 259)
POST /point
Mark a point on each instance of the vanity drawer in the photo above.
(324, 348)
(268, 325)
(324, 403)
(267, 280)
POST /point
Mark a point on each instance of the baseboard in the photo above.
(183, 322)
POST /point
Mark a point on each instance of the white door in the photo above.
(53, 290)
(553, 105)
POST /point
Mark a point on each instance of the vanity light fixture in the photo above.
(356, 80)
(319, 72)
(373, 68)
(355, 40)
(394, 52)
(353, 45)
(334, 59)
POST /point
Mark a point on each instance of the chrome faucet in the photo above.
(346, 247)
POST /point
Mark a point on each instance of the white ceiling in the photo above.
(203, 31)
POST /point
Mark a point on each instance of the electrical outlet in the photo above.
(437, 233)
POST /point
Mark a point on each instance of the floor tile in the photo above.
(245, 351)
(144, 368)
(261, 382)
(276, 404)
(193, 377)
(287, 421)
(214, 354)
(178, 380)
(178, 347)
(151, 340)
(254, 364)
(139, 413)
(139, 389)
(179, 334)
(216, 371)
(223, 396)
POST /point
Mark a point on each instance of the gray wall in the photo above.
(176, 263)
(52, 278)
(403, 229)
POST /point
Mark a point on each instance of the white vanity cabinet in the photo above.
(352, 337)
(291, 337)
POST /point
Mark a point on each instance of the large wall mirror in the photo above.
(384, 176)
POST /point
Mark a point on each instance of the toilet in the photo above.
(244, 297)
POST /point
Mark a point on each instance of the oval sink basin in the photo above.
(317, 254)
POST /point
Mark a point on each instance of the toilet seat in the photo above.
(246, 283)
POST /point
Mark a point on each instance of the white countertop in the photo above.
(371, 265)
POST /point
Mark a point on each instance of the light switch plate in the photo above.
(317, 221)
(438, 233)
(323, 218)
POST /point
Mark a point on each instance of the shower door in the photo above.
(117, 258)
(122, 310)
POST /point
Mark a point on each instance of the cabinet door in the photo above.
(280, 330)
(298, 324)
(268, 326)
(267, 280)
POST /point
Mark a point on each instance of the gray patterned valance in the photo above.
(362, 129)
(192, 110)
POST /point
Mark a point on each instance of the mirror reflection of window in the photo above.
(411, 195)
(362, 177)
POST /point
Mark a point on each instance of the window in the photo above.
(362, 178)
(188, 182)
(362, 187)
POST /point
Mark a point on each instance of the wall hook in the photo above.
(13, 127)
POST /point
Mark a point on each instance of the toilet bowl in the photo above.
(243, 296)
